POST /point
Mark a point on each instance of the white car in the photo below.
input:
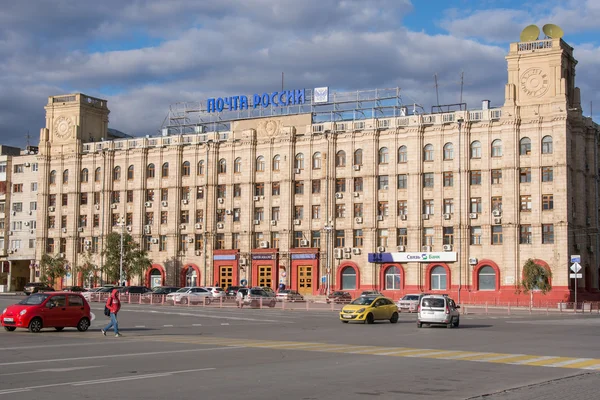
(190, 295)
(216, 291)
(438, 310)
(408, 303)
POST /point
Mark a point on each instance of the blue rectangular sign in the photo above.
(241, 102)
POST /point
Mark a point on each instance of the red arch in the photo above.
(384, 268)
(428, 276)
(481, 264)
(161, 269)
(543, 264)
(338, 274)
(184, 272)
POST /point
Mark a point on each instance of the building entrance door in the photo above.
(305, 284)
(225, 276)
(265, 275)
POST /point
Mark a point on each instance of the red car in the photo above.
(48, 310)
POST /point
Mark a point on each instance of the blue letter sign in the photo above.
(277, 99)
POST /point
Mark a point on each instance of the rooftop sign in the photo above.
(241, 102)
(412, 257)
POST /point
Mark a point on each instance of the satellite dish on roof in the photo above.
(530, 33)
(553, 31)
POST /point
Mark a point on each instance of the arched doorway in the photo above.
(155, 278)
(190, 275)
(348, 278)
(393, 278)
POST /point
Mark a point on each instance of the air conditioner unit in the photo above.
(147, 229)
(297, 170)
(129, 228)
(80, 229)
(64, 230)
(472, 261)
(221, 200)
(403, 217)
(87, 247)
(182, 226)
(220, 225)
(358, 220)
(356, 251)
(27, 164)
(496, 213)
(12, 233)
(273, 222)
(380, 249)
(497, 221)
(164, 203)
(447, 247)
(87, 242)
(63, 255)
(97, 206)
(380, 218)
(190, 240)
(26, 223)
(426, 248)
(32, 231)
(256, 198)
(185, 201)
(356, 194)
(264, 244)
(15, 213)
(425, 216)
(51, 209)
(473, 215)
(113, 206)
(11, 251)
(338, 253)
(400, 249)
(198, 226)
(347, 249)
(357, 167)
(148, 204)
(339, 195)
(447, 216)
(228, 212)
(347, 255)
(297, 222)
(154, 240)
(198, 252)
(257, 222)
(243, 261)
(304, 243)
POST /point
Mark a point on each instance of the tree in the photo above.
(52, 267)
(535, 277)
(87, 269)
(135, 259)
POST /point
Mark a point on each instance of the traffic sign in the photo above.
(576, 276)
(575, 267)
(576, 258)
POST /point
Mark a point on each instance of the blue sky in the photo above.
(144, 55)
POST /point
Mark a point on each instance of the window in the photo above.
(299, 187)
(96, 197)
(51, 201)
(237, 214)
(18, 169)
(199, 216)
(82, 221)
(496, 234)
(448, 151)
(358, 210)
(65, 178)
(496, 176)
(526, 203)
(428, 180)
(150, 171)
(448, 235)
(340, 185)
(428, 152)
(34, 186)
(438, 278)
(222, 191)
(340, 211)
(275, 189)
(18, 188)
(65, 199)
(164, 217)
(259, 213)
(50, 245)
(32, 206)
(402, 207)
(117, 173)
(348, 278)
(340, 238)
(83, 199)
(475, 177)
(220, 215)
(384, 155)
(51, 221)
(497, 148)
(237, 190)
(237, 165)
(298, 212)
(130, 173)
(358, 157)
(298, 237)
(148, 218)
(476, 206)
(547, 202)
(200, 168)
(299, 161)
(316, 160)
(165, 170)
(316, 212)
(525, 175)
(402, 181)
(525, 234)
(340, 159)
(236, 240)
(97, 175)
(428, 236)
(316, 186)
(357, 238)
(525, 146)
(185, 193)
(547, 145)
(497, 203)
(222, 166)
(428, 207)
(83, 176)
(402, 237)
(486, 278)
(52, 178)
(475, 235)
(259, 189)
(96, 220)
(276, 162)
(149, 194)
(448, 206)
(547, 174)
(63, 222)
(162, 243)
(448, 179)
(402, 154)
(392, 278)
(547, 233)
(315, 239)
(220, 241)
(476, 149)
(383, 209)
(185, 168)
(382, 182)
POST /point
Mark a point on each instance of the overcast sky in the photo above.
(144, 55)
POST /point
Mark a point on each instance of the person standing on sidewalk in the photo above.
(114, 305)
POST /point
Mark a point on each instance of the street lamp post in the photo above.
(328, 229)
(122, 225)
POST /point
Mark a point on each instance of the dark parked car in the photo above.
(339, 297)
(133, 290)
(77, 289)
(157, 293)
(34, 287)
(232, 290)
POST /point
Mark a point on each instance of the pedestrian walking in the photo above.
(240, 298)
(114, 305)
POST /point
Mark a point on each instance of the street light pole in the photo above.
(328, 229)
(122, 225)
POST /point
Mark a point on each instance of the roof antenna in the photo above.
(437, 95)
(27, 136)
(462, 83)
(282, 81)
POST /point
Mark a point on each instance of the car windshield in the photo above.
(410, 297)
(434, 303)
(183, 290)
(34, 299)
(363, 301)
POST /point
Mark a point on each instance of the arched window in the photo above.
(525, 146)
(130, 173)
(497, 148)
(487, 278)
(237, 165)
(150, 171)
(438, 278)
(392, 278)
(476, 149)
(402, 154)
(200, 168)
(83, 176)
(358, 157)
(428, 152)
(340, 159)
(349, 278)
(448, 151)
(117, 173)
(97, 175)
(222, 166)
(185, 168)
(547, 145)
(260, 164)
(316, 160)
(276, 162)
(53, 177)
(165, 170)
(299, 161)
(65, 176)
(384, 155)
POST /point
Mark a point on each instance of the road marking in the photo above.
(224, 323)
(567, 362)
(168, 326)
(196, 324)
(536, 360)
(225, 317)
(54, 345)
(140, 326)
(52, 370)
(100, 381)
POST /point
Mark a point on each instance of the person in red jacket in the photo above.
(114, 305)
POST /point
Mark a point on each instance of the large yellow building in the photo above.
(298, 187)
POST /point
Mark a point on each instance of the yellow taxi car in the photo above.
(368, 309)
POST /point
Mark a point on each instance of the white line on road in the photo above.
(168, 326)
(568, 362)
(212, 316)
(224, 323)
(140, 326)
(100, 381)
(53, 370)
(53, 345)
(196, 324)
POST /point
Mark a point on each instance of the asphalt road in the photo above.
(188, 353)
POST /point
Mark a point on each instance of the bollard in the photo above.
(486, 308)
(307, 304)
(220, 302)
(261, 303)
(283, 304)
(509, 308)
(128, 298)
(332, 307)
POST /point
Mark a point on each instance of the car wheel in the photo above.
(457, 322)
(184, 301)
(370, 319)
(9, 328)
(394, 318)
(344, 322)
(450, 325)
(419, 325)
(35, 325)
(83, 324)
(59, 328)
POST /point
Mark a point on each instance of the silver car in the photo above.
(438, 310)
